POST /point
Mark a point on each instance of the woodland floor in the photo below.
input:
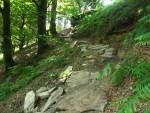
(14, 103)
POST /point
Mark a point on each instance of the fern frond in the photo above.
(115, 72)
(143, 26)
(105, 72)
(119, 74)
(143, 39)
(143, 89)
(128, 105)
(147, 110)
(140, 70)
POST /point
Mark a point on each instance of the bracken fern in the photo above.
(142, 31)
(141, 72)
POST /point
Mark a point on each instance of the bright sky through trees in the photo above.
(107, 2)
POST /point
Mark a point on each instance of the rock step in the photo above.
(83, 93)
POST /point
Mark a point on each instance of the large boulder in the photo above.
(78, 78)
(87, 97)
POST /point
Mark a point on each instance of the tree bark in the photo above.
(42, 10)
(53, 17)
(7, 43)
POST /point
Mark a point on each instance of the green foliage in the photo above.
(123, 12)
(142, 26)
(5, 89)
(142, 31)
(147, 9)
(143, 39)
(23, 19)
(67, 50)
(140, 70)
(55, 61)
(141, 90)
(116, 73)
(69, 8)
(20, 76)
(119, 74)
(142, 73)
(96, 22)
(127, 105)
(52, 75)
(108, 19)
(105, 72)
(147, 110)
(28, 73)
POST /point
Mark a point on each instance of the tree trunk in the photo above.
(42, 10)
(22, 33)
(53, 17)
(7, 43)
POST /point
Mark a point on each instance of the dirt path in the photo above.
(82, 93)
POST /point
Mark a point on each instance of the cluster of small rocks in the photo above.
(43, 93)
(95, 55)
(82, 93)
(100, 50)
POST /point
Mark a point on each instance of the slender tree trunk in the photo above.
(53, 18)
(22, 33)
(42, 10)
(7, 43)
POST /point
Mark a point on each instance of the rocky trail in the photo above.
(80, 91)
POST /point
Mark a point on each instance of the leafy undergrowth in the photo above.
(131, 81)
(107, 20)
(142, 31)
(20, 76)
(134, 92)
(132, 95)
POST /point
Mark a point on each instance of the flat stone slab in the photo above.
(97, 47)
(110, 50)
(78, 78)
(84, 98)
